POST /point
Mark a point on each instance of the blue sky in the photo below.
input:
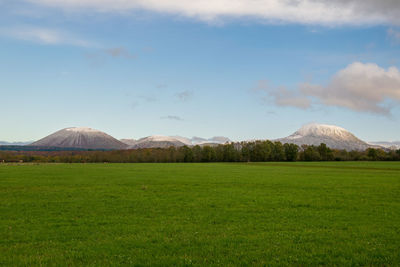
(133, 69)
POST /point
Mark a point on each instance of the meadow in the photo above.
(226, 214)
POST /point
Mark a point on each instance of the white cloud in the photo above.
(285, 97)
(326, 12)
(281, 96)
(43, 36)
(359, 87)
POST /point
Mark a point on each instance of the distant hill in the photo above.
(160, 141)
(4, 143)
(128, 142)
(156, 141)
(216, 140)
(80, 137)
(388, 145)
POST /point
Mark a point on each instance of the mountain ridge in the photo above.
(333, 136)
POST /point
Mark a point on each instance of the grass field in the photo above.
(202, 214)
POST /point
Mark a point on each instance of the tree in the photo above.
(246, 151)
(208, 154)
(311, 154)
(197, 153)
(372, 153)
(187, 154)
(325, 152)
(291, 151)
(229, 153)
(278, 152)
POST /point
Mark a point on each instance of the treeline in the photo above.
(257, 151)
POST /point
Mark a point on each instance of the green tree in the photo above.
(208, 154)
(197, 153)
(187, 154)
(229, 153)
(325, 152)
(372, 153)
(278, 152)
(311, 154)
(291, 151)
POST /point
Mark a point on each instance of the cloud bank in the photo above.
(326, 12)
(359, 87)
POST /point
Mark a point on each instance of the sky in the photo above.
(245, 69)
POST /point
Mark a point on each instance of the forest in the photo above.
(257, 151)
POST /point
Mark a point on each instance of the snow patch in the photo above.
(179, 140)
(315, 129)
(295, 136)
(184, 140)
(82, 129)
(161, 138)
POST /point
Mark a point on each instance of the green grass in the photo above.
(201, 214)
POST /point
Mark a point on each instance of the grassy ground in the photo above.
(203, 214)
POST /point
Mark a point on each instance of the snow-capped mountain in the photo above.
(80, 137)
(128, 142)
(213, 140)
(331, 135)
(388, 145)
(161, 141)
(219, 139)
(88, 138)
(310, 134)
(157, 141)
(185, 140)
(198, 140)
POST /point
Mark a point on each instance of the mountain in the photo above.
(128, 142)
(80, 137)
(185, 140)
(333, 136)
(219, 140)
(198, 140)
(4, 143)
(216, 140)
(176, 141)
(157, 141)
(389, 145)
